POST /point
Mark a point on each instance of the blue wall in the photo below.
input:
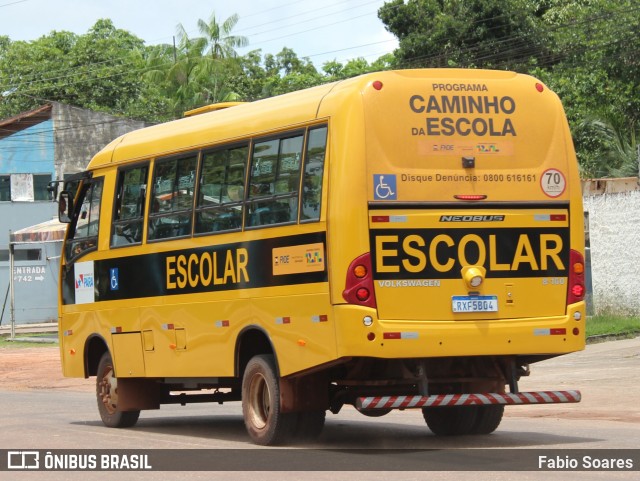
(30, 151)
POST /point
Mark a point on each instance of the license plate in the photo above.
(474, 303)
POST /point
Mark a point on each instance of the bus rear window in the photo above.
(313, 170)
(275, 181)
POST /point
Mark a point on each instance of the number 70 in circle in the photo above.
(553, 183)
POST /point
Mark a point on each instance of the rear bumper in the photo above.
(479, 399)
(360, 333)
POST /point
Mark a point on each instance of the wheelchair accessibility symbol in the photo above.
(385, 187)
(114, 281)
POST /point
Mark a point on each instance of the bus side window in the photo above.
(275, 181)
(84, 236)
(221, 190)
(129, 209)
(172, 199)
(313, 172)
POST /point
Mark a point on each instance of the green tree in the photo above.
(585, 50)
(219, 41)
(618, 155)
(595, 69)
(99, 70)
(196, 73)
(249, 82)
(285, 72)
(465, 33)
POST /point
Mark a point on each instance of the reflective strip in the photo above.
(517, 399)
(482, 399)
(479, 399)
(446, 401)
(364, 402)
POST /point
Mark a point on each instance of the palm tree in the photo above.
(193, 73)
(219, 41)
(216, 57)
(621, 154)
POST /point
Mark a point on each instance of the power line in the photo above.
(314, 19)
(524, 43)
(124, 64)
(13, 3)
(518, 46)
(282, 19)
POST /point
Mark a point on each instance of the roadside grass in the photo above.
(604, 326)
(35, 340)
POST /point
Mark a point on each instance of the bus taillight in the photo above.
(359, 283)
(576, 278)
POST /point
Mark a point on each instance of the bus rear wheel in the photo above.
(461, 420)
(107, 397)
(488, 419)
(450, 421)
(374, 413)
(261, 409)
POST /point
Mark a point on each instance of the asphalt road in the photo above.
(608, 375)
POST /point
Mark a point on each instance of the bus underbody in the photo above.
(457, 395)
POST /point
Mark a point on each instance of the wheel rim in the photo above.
(259, 401)
(109, 390)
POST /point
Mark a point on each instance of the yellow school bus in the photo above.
(402, 239)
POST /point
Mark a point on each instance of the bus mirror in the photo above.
(64, 207)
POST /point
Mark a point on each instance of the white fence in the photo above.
(614, 225)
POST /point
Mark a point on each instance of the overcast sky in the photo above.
(319, 29)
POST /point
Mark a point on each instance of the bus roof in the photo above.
(284, 112)
(224, 125)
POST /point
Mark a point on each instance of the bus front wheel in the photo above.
(107, 397)
(264, 421)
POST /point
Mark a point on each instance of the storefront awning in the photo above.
(51, 230)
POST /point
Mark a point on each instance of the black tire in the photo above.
(374, 413)
(310, 425)
(488, 419)
(263, 420)
(107, 397)
(451, 421)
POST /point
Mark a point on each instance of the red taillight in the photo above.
(576, 278)
(470, 197)
(362, 294)
(578, 291)
(359, 283)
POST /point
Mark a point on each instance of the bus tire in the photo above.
(263, 420)
(374, 413)
(451, 421)
(488, 419)
(310, 425)
(107, 397)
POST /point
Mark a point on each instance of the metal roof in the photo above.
(24, 120)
